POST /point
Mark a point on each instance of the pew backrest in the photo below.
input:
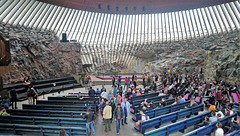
(46, 113)
(40, 130)
(158, 121)
(137, 102)
(178, 126)
(211, 127)
(58, 107)
(143, 96)
(163, 110)
(168, 101)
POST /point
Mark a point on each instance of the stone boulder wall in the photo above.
(39, 55)
(218, 55)
(223, 59)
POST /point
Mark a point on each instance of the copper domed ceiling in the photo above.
(135, 6)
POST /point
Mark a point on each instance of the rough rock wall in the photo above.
(223, 58)
(218, 55)
(37, 54)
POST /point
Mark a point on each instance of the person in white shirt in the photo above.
(143, 118)
(219, 112)
(58, 95)
(219, 131)
(104, 94)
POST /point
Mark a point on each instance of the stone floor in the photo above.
(126, 130)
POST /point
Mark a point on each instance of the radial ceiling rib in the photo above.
(107, 38)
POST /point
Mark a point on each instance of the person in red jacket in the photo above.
(219, 98)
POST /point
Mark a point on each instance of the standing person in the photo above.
(13, 95)
(90, 117)
(126, 83)
(125, 106)
(91, 92)
(35, 94)
(27, 83)
(102, 88)
(30, 94)
(119, 99)
(113, 81)
(164, 70)
(135, 82)
(219, 131)
(98, 93)
(119, 81)
(107, 115)
(113, 105)
(156, 78)
(102, 106)
(104, 94)
(133, 78)
(219, 98)
(114, 91)
(109, 96)
(129, 82)
(114, 99)
(118, 116)
(143, 77)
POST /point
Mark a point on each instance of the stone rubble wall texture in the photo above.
(218, 55)
(39, 55)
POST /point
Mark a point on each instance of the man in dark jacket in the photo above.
(118, 116)
(13, 94)
(91, 92)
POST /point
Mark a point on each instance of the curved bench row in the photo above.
(163, 110)
(158, 121)
(178, 126)
(211, 127)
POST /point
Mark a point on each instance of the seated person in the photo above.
(219, 112)
(164, 103)
(143, 118)
(235, 125)
(213, 117)
(138, 93)
(149, 107)
(3, 112)
(219, 131)
(134, 94)
(161, 93)
(145, 102)
(219, 116)
(159, 105)
(176, 101)
(152, 105)
(58, 94)
(144, 109)
(204, 123)
(180, 99)
(212, 107)
(228, 111)
(194, 103)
